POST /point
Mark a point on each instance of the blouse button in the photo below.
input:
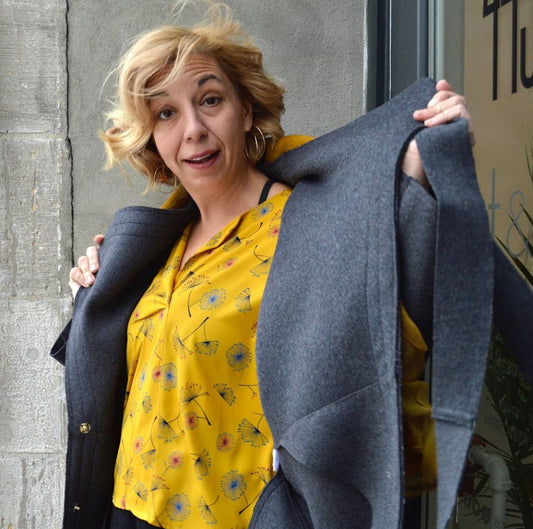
(85, 427)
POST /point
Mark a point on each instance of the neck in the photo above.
(220, 205)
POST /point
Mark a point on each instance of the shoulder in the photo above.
(277, 187)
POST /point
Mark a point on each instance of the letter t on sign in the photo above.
(493, 206)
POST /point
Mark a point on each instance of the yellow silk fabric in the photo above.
(420, 456)
(196, 450)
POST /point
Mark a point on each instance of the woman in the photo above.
(172, 320)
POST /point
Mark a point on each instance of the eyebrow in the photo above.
(206, 78)
(201, 82)
(157, 94)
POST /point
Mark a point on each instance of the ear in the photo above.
(248, 115)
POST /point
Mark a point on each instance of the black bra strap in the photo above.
(266, 189)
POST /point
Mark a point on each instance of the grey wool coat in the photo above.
(328, 338)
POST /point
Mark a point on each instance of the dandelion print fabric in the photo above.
(195, 449)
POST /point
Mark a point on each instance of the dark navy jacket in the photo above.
(328, 339)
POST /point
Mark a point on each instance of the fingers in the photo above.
(98, 239)
(445, 106)
(92, 253)
(444, 85)
(92, 259)
(74, 281)
(77, 280)
(83, 275)
(80, 276)
(445, 110)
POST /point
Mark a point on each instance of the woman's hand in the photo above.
(444, 106)
(83, 275)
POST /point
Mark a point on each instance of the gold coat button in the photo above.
(85, 427)
(77, 508)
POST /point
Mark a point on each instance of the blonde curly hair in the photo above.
(155, 61)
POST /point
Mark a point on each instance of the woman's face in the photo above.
(200, 126)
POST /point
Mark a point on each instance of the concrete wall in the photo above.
(54, 195)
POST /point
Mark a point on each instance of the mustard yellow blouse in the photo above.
(420, 457)
(196, 450)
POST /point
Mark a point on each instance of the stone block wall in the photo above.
(35, 256)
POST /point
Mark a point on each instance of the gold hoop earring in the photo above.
(157, 174)
(259, 149)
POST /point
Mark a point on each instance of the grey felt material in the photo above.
(93, 350)
(462, 303)
(417, 222)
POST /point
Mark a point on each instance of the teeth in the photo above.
(201, 158)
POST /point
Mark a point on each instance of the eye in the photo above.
(211, 101)
(165, 114)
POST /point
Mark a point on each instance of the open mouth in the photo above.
(206, 158)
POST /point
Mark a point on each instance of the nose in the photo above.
(194, 125)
